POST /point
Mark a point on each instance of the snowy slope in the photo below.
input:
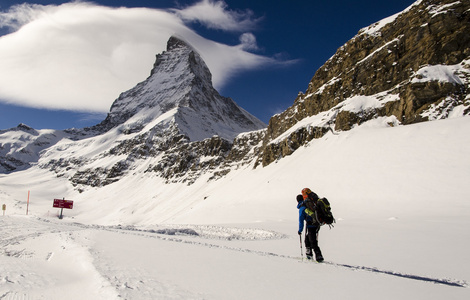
(399, 195)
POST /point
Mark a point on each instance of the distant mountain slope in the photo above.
(21, 146)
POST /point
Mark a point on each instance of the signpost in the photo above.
(4, 207)
(62, 203)
(27, 205)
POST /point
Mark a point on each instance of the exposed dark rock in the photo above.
(386, 60)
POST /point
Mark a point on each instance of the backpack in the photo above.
(323, 212)
(319, 209)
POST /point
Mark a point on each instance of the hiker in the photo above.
(312, 228)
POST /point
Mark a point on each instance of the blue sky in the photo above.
(261, 53)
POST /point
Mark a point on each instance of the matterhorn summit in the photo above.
(179, 94)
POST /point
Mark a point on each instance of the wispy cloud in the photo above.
(80, 56)
(248, 42)
(217, 15)
(19, 15)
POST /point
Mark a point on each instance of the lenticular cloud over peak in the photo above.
(81, 56)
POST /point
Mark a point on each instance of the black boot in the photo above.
(318, 255)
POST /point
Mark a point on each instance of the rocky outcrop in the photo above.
(188, 161)
(419, 57)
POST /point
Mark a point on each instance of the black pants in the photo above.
(311, 240)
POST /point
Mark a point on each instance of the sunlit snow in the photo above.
(399, 195)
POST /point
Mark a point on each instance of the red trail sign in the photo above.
(60, 203)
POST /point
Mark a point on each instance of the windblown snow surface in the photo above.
(400, 196)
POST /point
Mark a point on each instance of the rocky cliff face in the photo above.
(414, 66)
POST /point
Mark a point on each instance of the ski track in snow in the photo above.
(17, 236)
(449, 282)
(161, 235)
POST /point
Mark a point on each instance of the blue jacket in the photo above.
(304, 217)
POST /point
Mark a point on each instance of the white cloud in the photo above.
(80, 56)
(248, 42)
(215, 15)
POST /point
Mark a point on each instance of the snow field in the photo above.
(399, 196)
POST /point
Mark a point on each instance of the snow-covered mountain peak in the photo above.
(159, 118)
(180, 79)
(175, 42)
(178, 52)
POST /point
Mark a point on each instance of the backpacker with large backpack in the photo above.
(318, 208)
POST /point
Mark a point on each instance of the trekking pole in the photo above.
(301, 250)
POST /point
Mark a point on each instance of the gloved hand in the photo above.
(299, 232)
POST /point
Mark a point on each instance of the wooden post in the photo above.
(27, 205)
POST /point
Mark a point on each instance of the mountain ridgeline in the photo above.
(411, 67)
